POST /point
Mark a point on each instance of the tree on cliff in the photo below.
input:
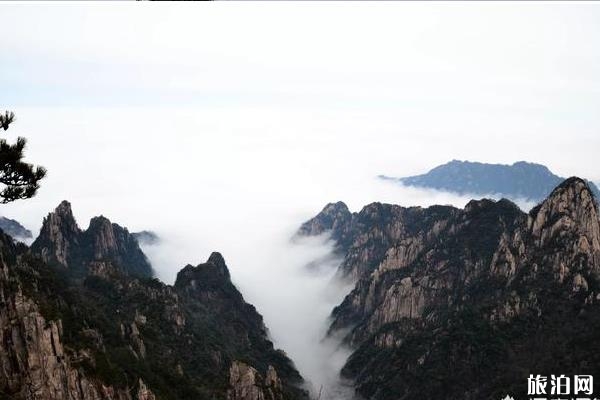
(20, 179)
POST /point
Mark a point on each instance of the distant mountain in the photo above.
(456, 303)
(14, 229)
(82, 318)
(146, 237)
(522, 180)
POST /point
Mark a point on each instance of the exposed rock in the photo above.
(34, 363)
(62, 242)
(246, 383)
(479, 293)
(86, 326)
(59, 236)
(335, 217)
(143, 392)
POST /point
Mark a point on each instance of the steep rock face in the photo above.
(248, 384)
(379, 235)
(487, 295)
(98, 330)
(35, 364)
(334, 218)
(62, 242)
(59, 236)
(108, 241)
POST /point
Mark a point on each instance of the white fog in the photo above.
(227, 141)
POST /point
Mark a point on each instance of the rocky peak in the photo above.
(334, 217)
(61, 241)
(218, 261)
(571, 207)
(112, 242)
(105, 236)
(59, 235)
(210, 275)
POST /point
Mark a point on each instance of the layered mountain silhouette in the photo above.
(467, 303)
(521, 180)
(82, 318)
(15, 229)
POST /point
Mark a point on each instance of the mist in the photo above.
(226, 140)
(204, 184)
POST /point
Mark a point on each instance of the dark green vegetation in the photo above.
(118, 324)
(20, 179)
(466, 304)
(522, 180)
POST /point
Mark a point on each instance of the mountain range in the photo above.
(467, 303)
(519, 181)
(453, 303)
(83, 318)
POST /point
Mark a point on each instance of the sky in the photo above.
(223, 126)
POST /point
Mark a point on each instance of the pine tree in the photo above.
(21, 180)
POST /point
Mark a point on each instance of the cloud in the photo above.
(223, 128)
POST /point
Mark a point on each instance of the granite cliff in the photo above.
(466, 303)
(81, 318)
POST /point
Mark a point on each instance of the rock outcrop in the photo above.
(62, 242)
(487, 294)
(248, 384)
(80, 320)
(59, 236)
(34, 363)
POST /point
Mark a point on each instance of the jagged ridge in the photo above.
(61, 241)
(77, 322)
(486, 295)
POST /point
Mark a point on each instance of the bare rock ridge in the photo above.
(80, 320)
(62, 242)
(486, 294)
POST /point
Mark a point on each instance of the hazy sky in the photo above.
(222, 126)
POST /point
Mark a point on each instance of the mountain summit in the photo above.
(81, 318)
(486, 294)
(62, 242)
(521, 180)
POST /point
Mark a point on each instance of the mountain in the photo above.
(14, 228)
(62, 242)
(81, 318)
(522, 180)
(146, 237)
(467, 303)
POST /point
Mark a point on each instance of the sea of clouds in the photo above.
(240, 183)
